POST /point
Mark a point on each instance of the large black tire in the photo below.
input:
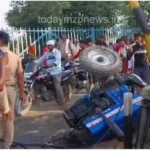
(100, 61)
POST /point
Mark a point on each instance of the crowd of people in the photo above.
(131, 50)
(134, 56)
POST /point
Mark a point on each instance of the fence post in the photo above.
(127, 97)
(50, 33)
(93, 34)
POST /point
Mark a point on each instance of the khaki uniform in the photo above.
(13, 67)
(4, 104)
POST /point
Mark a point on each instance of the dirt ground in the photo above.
(43, 120)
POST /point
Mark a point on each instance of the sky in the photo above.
(4, 7)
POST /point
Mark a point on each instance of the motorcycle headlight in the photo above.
(27, 75)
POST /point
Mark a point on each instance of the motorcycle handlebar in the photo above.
(36, 71)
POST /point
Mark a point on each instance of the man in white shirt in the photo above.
(66, 47)
(131, 64)
(53, 63)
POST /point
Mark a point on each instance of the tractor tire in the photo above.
(100, 61)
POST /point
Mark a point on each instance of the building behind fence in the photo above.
(22, 38)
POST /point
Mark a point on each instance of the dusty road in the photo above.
(44, 120)
(41, 122)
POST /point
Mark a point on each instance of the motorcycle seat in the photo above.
(133, 79)
(66, 73)
(78, 70)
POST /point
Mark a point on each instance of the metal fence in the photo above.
(22, 38)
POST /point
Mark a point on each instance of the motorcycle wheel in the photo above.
(27, 105)
(100, 61)
(72, 84)
(67, 90)
(40, 92)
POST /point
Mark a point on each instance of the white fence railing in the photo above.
(21, 39)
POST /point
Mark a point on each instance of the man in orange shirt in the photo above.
(32, 49)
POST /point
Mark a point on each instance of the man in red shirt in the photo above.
(83, 45)
(122, 51)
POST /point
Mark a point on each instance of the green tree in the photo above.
(129, 17)
(73, 14)
(27, 13)
(94, 13)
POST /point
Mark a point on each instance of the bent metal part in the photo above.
(93, 123)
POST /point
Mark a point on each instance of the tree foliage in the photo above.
(94, 13)
(72, 13)
(27, 13)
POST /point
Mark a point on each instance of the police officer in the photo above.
(14, 75)
(4, 105)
